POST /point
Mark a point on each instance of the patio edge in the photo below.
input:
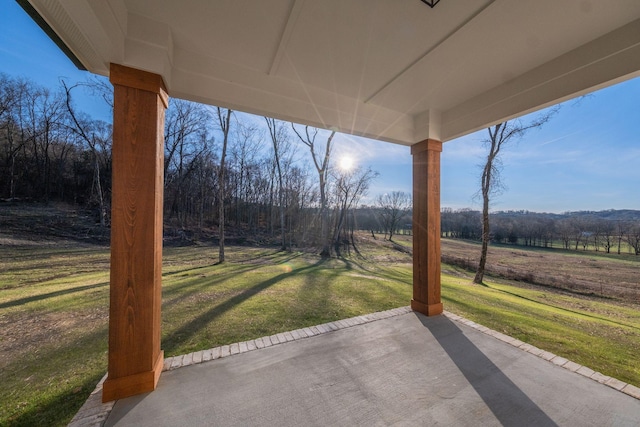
(94, 413)
(614, 383)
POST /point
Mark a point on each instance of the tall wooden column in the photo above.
(135, 358)
(426, 227)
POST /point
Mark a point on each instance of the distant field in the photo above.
(591, 273)
(625, 248)
(54, 307)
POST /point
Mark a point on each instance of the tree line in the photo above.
(255, 174)
(574, 231)
(47, 151)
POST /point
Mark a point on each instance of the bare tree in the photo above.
(185, 141)
(300, 192)
(321, 161)
(100, 86)
(224, 121)
(392, 207)
(461, 223)
(499, 136)
(12, 93)
(97, 135)
(49, 149)
(564, 231)
(633, 237)
(607, 231)
(578, 231)
(243, 154)
(621, 230)
(279, 137)
(350, 187)
(45, 112)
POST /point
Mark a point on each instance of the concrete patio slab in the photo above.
(401, 370)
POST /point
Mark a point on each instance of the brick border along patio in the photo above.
(95, 413)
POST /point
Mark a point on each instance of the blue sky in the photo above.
(586, 158)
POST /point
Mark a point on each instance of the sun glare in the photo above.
(346, 163)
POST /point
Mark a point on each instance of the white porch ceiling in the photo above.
(394, 70)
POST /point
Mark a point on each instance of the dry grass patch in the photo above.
(591, 273)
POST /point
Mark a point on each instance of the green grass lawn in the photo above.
(54, 304)
(209, 305)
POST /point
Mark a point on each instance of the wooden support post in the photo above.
(426, 227)
(135, 358)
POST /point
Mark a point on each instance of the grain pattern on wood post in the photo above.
(135, 358)
(426, 227)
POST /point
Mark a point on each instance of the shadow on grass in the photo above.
(59, 409)
(380, 272)
(66, 373)
(353, 295)
(313, 302)
(191, 285)
(268, 256)
(186, 331)
(40, 297)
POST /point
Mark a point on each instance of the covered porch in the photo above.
(401, 72)
(395, 367)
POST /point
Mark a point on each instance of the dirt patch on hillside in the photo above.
(27, 224)
(26, 333)
(379, 249)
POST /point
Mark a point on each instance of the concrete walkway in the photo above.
(391, 368)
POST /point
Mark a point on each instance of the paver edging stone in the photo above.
(562, 362)
(632, 391)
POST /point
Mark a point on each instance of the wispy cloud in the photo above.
(562, 137)
(470, 148)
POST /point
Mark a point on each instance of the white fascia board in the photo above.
(88, 29)
(607, 60)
